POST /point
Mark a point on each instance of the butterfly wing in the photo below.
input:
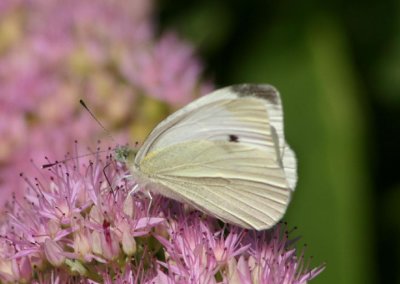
(237, 183)
(243, 171)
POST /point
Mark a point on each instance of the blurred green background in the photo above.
(337, 66)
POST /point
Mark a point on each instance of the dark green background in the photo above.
(337, 66)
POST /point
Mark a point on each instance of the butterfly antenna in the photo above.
(49, 165)
(95, 118)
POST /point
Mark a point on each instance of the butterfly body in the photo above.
(224, 154)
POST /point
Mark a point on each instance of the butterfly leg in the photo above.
(150, 203)
(134, 189)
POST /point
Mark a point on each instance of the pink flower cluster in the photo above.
(53, 53)
(81, 225)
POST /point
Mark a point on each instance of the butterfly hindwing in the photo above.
(235, 182)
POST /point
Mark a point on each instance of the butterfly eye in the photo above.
(233, 138)
(124, 153)
(121, 154)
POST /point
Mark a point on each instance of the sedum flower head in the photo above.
(80, 224)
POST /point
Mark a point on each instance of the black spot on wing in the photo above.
(233, 138)
(265, 92)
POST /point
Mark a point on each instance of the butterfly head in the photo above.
(124, 153)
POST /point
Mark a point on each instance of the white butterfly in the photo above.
(224, 154)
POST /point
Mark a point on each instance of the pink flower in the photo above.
(79, 219)
(199, 251)
(167, 75)
(73, 219)
(53, 252)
